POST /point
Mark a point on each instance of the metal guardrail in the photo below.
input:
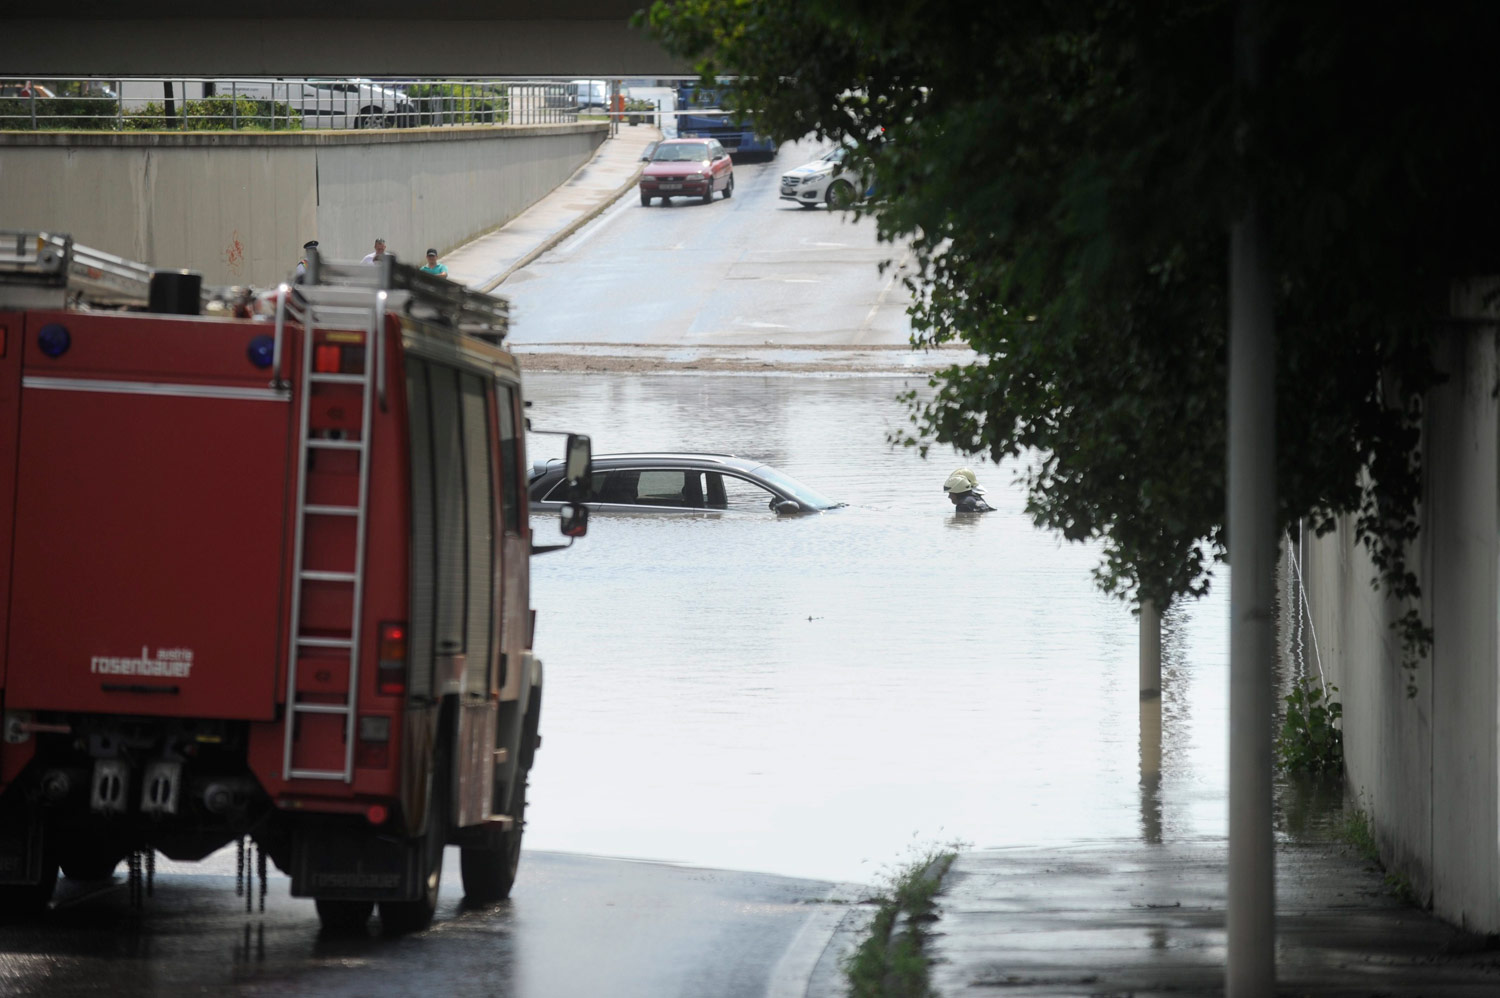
(155, 104)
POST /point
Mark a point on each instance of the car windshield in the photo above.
(794, 488)
(686, 152)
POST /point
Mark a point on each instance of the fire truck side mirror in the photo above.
(577, 467)
(574, 520)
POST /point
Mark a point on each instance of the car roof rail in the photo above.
(682, 455)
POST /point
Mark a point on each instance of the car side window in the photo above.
(670, 487)
(729, 492)
(634, 487)
(718, 151)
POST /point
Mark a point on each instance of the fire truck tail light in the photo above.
(376, 814)
(326, 358)
(390, 679)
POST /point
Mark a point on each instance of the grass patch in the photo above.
(1402, 890)
(1354, 831)
(892, 961)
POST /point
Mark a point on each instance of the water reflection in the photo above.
(1307, 807)
(806, 695)
(1151, 769)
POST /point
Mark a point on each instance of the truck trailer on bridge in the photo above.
(701, 114)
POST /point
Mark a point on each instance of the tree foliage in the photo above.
(1066, 174)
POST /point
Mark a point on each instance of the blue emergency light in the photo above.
(261, 350)
(54, 339)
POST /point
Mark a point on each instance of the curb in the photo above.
(566, 231)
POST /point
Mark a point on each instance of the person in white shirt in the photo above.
(379, 252)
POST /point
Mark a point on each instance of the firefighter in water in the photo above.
(964, 490)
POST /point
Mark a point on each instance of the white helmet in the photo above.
(962, 481)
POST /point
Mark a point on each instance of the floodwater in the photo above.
(825, 695)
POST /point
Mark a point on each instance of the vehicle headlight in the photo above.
(813, 178)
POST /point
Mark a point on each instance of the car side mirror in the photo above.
(577, 468)
(785, 506)
(574, 520)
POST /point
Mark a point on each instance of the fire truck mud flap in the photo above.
(21, 845)
(333, 863)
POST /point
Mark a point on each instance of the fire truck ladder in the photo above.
(357, 297)
(29, 257)
(333, 308)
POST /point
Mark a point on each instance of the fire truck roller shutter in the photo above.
(479, 490)
(451, 569)
(424, 541)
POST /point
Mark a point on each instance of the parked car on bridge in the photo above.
(669, 482)
(589, 93)
(826, 180)
(351, 103)
(687, 168)
(25, 88)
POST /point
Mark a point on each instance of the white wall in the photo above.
(239, 206)
(1427, 767)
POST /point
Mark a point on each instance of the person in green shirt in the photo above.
(433, 267)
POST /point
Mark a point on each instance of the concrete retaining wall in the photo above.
(238, 207)
(1427, 767)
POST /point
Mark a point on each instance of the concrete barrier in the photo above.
(239, 206)
(1426, 766)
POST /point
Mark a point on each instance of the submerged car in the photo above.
(673, 482)
(687, 168)
(826, 180)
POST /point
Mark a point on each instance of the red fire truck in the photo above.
(264, 578)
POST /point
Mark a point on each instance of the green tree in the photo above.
(1066, 174)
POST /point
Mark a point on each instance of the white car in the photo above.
(351, 103)
(589, 93)
(826, 180)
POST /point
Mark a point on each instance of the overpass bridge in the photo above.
(164, 38)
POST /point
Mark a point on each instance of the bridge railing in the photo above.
(283, 104)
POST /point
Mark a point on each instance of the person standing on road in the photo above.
(433, 267)
(965, 492)
(302, 263)
(378, 253)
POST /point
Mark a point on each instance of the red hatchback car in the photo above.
(687, 168)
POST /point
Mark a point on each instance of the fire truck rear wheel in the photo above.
(345, 918)
(401, 917)
(490, 870)
(89, 865)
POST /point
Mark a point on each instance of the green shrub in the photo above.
(221, 113)
(56, 113)
(456, 104)
(1311, 740)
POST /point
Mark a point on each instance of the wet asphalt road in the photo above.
(753, 269)
(576, 926)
